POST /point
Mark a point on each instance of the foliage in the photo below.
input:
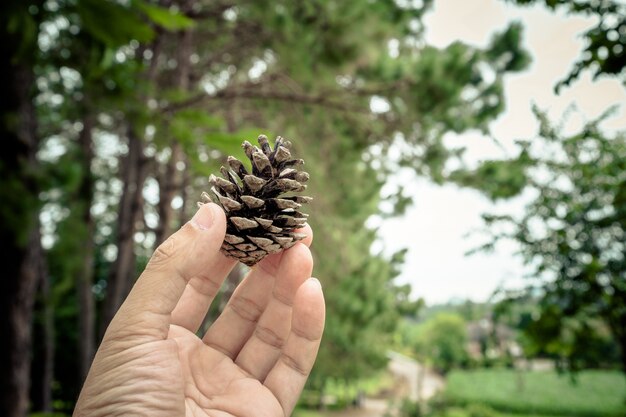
(593, 393)
(497, 179)
(479, 410)
(572, 232)
(604, 52)
(572, 237)
(597, 349)
(306, 413)
(440, 341)
(468, 309)
(410, 408)
(338, 394)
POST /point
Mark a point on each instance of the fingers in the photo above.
(235, 325)
(271, 262)
(200, 293)
(188, 253)
(286, 379)
(262, 350)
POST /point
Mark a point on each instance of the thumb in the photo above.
(182, 256)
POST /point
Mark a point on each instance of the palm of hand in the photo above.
(213, 385)
(253, 360)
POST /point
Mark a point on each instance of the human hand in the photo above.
(253, 360)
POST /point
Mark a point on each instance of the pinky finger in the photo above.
(289, 374)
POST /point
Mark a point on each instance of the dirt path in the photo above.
(411, 380)
(420, 381)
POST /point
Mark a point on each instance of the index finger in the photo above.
(183, 255)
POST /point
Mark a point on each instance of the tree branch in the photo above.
(290, 97)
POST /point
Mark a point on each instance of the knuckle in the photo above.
(246, 308)
(270, 337)
(166, 251)
(295, 365)
(205, 285)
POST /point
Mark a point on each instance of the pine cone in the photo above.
(259, 220)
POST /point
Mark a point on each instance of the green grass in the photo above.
(450, 412)
(341, 393)
(473, 411)
(306, 413)
(595, 394)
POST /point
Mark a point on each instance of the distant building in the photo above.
(487, 340)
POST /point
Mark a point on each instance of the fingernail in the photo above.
(203, 218)
(316, 281)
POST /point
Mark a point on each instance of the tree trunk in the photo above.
(86, 317)
(172, 179)
(122, 272)
(17, 295)
(622, 344)
(20, 242)
(182, 214)
(615, 316)
(134, 173)
(617, 324)
(48, 340)
(168, 185)
(42, 363)
(20, 320)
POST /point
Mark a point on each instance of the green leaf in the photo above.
(164, 17)
(198, 118)
(97, 16)
(496, 178)
(230, 143)
(24, 28)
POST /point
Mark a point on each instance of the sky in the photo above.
(435, 229)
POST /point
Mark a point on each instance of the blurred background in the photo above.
(467, 160)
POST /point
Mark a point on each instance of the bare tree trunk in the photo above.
(86, 317)
(130, 272)
(622, 345)
(17, 295)
(168, 185)
(20, 242)
(130, 210)
(134, 173)
(42, 364)
(172, 179)
(617, 324)
(21, 322)
(49, 345)
(182, 214)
